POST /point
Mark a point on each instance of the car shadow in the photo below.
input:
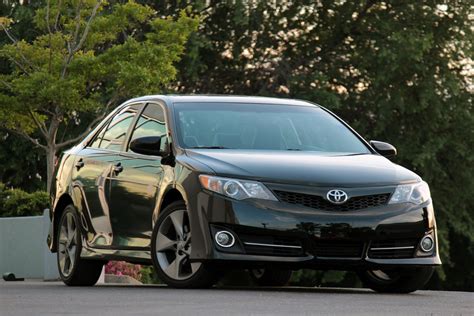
(288, 289)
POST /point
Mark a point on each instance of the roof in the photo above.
(222, 99)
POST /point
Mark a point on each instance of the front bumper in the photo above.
(306, 237)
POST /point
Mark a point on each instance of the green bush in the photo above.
(16, 202)
(149, 276)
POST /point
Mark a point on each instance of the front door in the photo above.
(135, 184)
(91, 179)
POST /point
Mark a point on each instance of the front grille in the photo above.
(318, 202)
(393, 249)
(272, 246)
(338, 249)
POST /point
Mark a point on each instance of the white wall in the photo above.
(23, 248)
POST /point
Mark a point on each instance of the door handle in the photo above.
(118, 168)
(79, 164)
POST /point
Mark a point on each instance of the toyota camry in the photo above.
(197, 185)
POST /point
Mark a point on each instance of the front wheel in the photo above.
(74, 270)
(171, 249)
(400, 280)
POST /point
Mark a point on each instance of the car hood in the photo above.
(304, 167)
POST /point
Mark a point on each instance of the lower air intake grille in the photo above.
(318, 202)
(272, 246)
(338, 249)
(393, 249)
(272, 251)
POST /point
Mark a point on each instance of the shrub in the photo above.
(123, 268)
(149, 276)
(16, 202)
(144, 274)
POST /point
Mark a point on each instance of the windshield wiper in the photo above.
(209, 147)
(294, 149)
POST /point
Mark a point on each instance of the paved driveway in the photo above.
(53, 298)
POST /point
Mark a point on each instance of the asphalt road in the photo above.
(53, 298)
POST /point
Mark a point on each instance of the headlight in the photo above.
(414, 193)
(236, 189)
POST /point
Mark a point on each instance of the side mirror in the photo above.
(385, 149)
(150, 145)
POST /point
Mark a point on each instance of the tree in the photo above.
(88, 57)
(21, 165)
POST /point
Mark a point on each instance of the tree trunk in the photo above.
(51, 150)
(50, 166)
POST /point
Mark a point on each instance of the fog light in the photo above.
(224, 239)
(427, 243)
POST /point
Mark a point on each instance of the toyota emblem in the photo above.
(337, 196)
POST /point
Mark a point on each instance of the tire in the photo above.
(73, 270)
(271, 277)
(401, 280)
(171, 247)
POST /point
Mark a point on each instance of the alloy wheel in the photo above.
(173, 246)
(67, 244)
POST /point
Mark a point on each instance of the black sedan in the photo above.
(197, 185)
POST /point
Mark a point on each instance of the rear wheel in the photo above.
(400, 280)
(271, 277)
(74, 270)
(171, 249)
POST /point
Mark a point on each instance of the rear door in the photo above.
(134, 189)
(91, 178)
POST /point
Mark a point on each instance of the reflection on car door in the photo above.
(135, 187)
(91, 177)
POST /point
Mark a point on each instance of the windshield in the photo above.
(263, 127)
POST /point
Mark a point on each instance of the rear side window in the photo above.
(150, 123)
(114, 134)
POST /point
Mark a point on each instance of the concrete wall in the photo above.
(23, 248)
